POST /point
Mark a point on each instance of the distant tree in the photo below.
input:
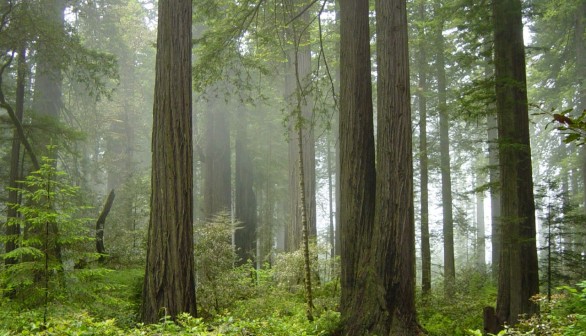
(217, 171)
(169, 282)
(47, 100)
(423, 157)
(518, 267)
(245, 199)
(495, 192)
(480, 230)
(444, 125)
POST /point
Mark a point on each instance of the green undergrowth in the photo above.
(112, 308)
(563, 314)
(453, 315)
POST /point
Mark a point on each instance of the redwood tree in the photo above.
(518, 267)
(394, 222)
(169, 282)
(378, 234)
(357, 170)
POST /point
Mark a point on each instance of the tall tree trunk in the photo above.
(304, 226)
(518, 268)
(448, 219)
(357, 169)
(423, 161)
(245, 207)
(13, 230)
(217, 171)
(495, 191)
(480, 233)
(394, 221)
(331, 227)
(169, 282)
(337, 147)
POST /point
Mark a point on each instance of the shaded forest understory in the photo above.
(246, 302)
(293, 167)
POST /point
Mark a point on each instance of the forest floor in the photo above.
(106, 302)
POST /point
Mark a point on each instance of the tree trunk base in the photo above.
(491, 321)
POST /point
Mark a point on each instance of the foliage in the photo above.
(270, 312)
(564, 314)
(440, 315)
(574, 129)
(561, 253)
(288, 267)
(49, 220)
(125, 232)
(219, 283)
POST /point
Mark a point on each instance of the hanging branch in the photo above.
(15, 121)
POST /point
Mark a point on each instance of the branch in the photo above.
(100, 225)
(15, 121)
(305, 9)
(321, 47)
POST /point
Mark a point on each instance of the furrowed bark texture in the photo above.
(169, 284)
(394, 233)
(357, 170)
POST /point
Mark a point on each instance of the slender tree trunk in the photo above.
(357, 169)
(480, 233)
(423, 161)
(518, 268)
(304, 227)
(169, 283)
(13, 231)
(331, 229)
(394, 221)
(448, 220)
(495, 192)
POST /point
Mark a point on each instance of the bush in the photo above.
(456, 315)
(564, 314)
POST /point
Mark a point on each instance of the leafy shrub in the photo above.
(456, 315)
(219, 283)
(564, 314)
